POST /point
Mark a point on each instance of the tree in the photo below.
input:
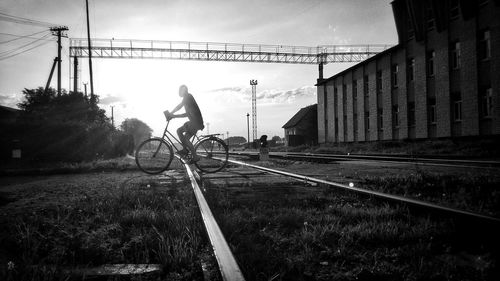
(65, 127)
(236, 140)
(276, 138)
(137, 129)
(41, 105)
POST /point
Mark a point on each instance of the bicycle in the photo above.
(155, 155)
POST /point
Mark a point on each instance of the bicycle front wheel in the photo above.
(153, 156)
(214, 154)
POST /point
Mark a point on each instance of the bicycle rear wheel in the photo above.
(214, 154)
(154, 155)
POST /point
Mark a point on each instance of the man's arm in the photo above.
(179, 106)
(172, 115)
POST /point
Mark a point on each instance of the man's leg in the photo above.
(182, 138)
(189, 145)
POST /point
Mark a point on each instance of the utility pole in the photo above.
(253, 83)
(112, 116)
(248, 129)
(227, 134)
(90, 55)
(85, 85)
(75, 74)
(59, 32)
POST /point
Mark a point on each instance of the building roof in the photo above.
(387, 51)
(299, 116)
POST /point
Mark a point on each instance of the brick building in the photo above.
(302, 128)
(442, 79)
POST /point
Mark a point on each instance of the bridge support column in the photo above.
(320, 69)
(75, 74)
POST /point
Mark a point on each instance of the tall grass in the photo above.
(140, 222)
(326, 235)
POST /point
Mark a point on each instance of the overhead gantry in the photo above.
(212, 51)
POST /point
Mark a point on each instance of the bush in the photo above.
(72, 141)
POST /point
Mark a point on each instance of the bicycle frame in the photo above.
(169, 136)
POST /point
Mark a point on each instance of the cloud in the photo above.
(10, 100)
(107, 100)
(227, 89)
(266, 96)
(286, 96)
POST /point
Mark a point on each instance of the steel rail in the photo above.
(390, 159)
(228, 266)
(384, 196)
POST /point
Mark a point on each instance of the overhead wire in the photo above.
(27, 50)
(25, 45)
(19, 37)
(21, 20)
(20, 49)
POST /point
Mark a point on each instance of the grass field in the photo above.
(464, 188)
(95, 214)
(316, 233)
(464, 148)
(51, 223)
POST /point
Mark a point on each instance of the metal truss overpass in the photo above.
(233, 52)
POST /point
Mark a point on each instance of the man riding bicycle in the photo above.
(189, 129)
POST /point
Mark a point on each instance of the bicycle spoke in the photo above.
(207, 162)
(153, 156)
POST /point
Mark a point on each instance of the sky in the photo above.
(143, 89)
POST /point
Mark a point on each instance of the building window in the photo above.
(344, 97)
(365, 86)
(454, 9)
(379, 81)
(395, 72)
(411, 70)
(484, 45)
(367, 121)
(456, 107)
(429, 15)
(355, 96)
(355, 89)
(355, 127)
(455, 55)
(432, 111)
(380, 113)
(430, 63)
(411, 32)
(411, 114)
(487, 103)
(395, 115)
(345, 127)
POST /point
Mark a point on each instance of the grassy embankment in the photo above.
(59, 222)
(458, 148)
(316, 233)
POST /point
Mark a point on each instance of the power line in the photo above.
(27, 50)
(18, 37)
(14, 50)
(25, 45)
(21, 20)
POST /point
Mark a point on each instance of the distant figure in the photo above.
(263, 141)
(264, 151)
(189, 129)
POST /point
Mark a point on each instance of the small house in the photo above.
(302, 128)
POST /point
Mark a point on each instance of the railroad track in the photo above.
(428, 161)
(228, 265)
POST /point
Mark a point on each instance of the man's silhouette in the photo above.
(189, 129)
